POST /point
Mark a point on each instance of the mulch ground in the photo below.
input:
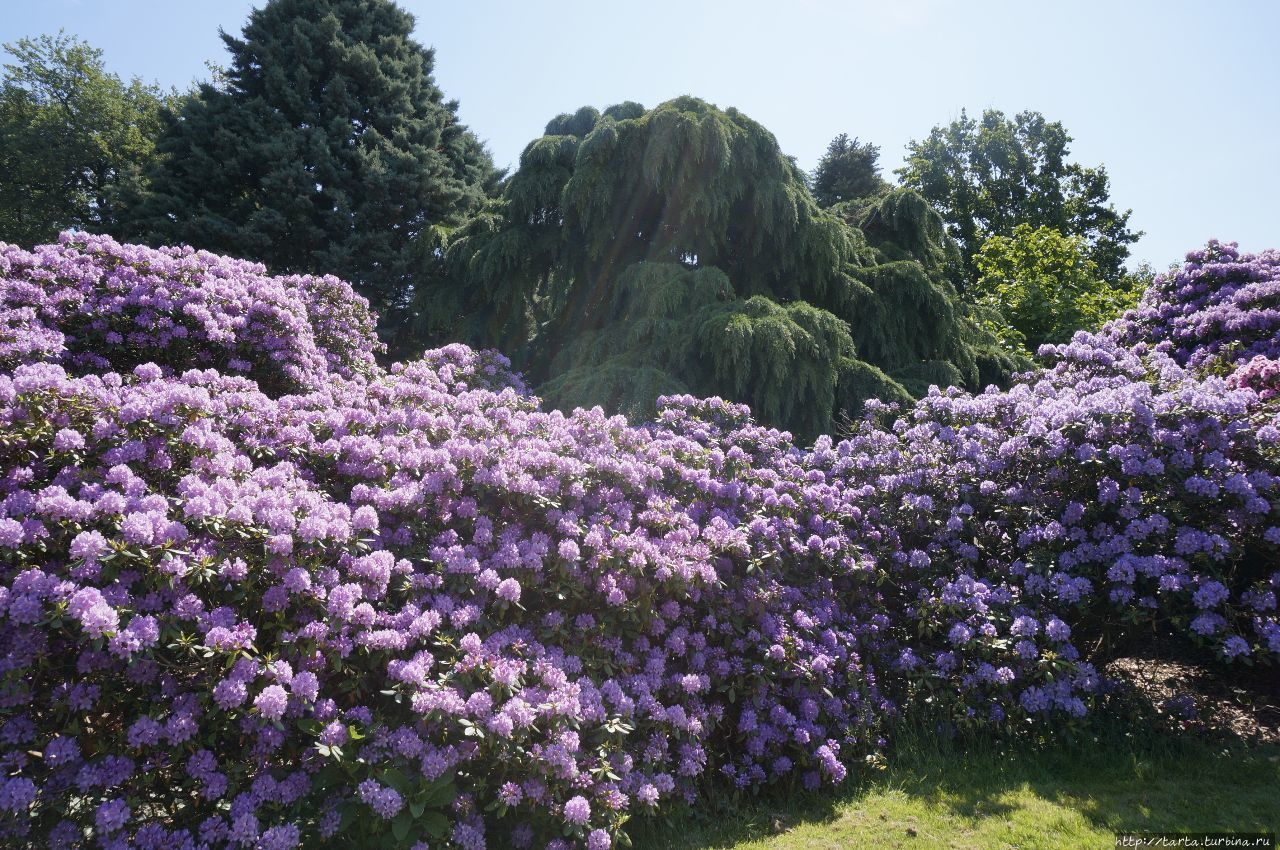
(1243, 704)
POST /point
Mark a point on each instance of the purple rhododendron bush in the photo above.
(257, 591)
(91, 304)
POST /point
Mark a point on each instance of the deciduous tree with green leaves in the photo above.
(641, 252)
(328, 147)
(74, 139)
(988, 176)
(1044, 286)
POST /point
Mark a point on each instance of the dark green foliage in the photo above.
(638, 253)
(986, 177)
(74, 140)
(848, 171)
(913, 325)
(784, 361)
(328, 148)
(859, 381)
(909, 313)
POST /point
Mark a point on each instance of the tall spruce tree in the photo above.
(640, 252)
(328, 147)
(848, 171)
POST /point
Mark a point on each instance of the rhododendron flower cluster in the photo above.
(258, 591)
(1261, 374)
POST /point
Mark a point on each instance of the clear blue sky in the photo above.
(1181, 101)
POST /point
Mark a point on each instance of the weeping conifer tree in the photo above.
(640, 252)
(911, 294)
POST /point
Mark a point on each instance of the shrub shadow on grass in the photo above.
(1115, 783)
(983, 792)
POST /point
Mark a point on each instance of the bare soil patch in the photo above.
(1244, 703)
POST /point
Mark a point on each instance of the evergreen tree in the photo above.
(640, 252)
(327, 148)
(987, 177)
(74, 139)
(848, 171)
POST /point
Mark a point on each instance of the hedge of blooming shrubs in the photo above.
(91, 305)
(257, 591)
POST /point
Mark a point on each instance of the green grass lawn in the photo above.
(984, 796)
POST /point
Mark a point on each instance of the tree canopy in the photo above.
(328, 147)
(848, 171)
(987, 177)
(74, 139)
(1046, 287)
(642, 252)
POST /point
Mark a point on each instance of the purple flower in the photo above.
(1025, 627)
(508, 589)
(111, 816)
(16, 793)
(384, 801)
(61, 751)
(230, 693)
(1235, 646)
(11, 533)
(148, 372)
(96, 616)
(284, 837)
(577, 810)
(364, 518)
(305, 685)
(88, 545)
(960, 634)
(272, 702)
(68, 439)
(510, 793)
(1210, 594)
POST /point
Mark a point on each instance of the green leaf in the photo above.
(396, 779)
(400, 826)
(440, 793)
(435, 824)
